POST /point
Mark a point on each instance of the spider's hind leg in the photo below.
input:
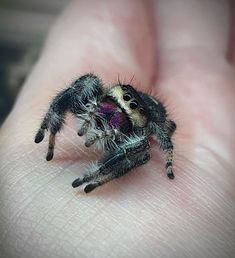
(73, 99)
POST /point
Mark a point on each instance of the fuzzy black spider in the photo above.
(121, 118)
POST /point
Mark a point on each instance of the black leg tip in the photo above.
(39, 136)
(87, 144)
(77, 183)
(171, 175)
(49, 156)
(90, 188)
(81, 132)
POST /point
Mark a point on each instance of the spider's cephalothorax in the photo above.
(121, 118)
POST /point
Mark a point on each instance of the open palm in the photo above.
(177, 50)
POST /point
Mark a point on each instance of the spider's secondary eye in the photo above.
(127, 96)
(124, 88)
(133, 105)
(142, 111)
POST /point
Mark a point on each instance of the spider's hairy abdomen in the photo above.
(120, 118)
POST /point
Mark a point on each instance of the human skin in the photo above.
(179, 50)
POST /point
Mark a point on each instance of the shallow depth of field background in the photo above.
(23, 27)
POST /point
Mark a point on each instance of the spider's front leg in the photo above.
(132, 153)
(74, 99)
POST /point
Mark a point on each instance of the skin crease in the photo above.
(175, 49)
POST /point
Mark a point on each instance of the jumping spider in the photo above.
(121, 118)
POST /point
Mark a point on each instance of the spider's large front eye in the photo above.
(133, 104)
(127, 96)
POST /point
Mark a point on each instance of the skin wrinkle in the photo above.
(91, 230)
(77, 148)
(80, 243)
(206, 187)
(61, 228)
(18, 179)
(17, 156)
(45, 176)
(17, 216)
(114, 222)
(39, 241)
(53, 218)
(45, 214)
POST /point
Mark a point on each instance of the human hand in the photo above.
(175, 49)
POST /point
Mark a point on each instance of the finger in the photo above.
(192, 47)
(193, 24)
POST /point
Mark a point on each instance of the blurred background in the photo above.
(23, 27)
